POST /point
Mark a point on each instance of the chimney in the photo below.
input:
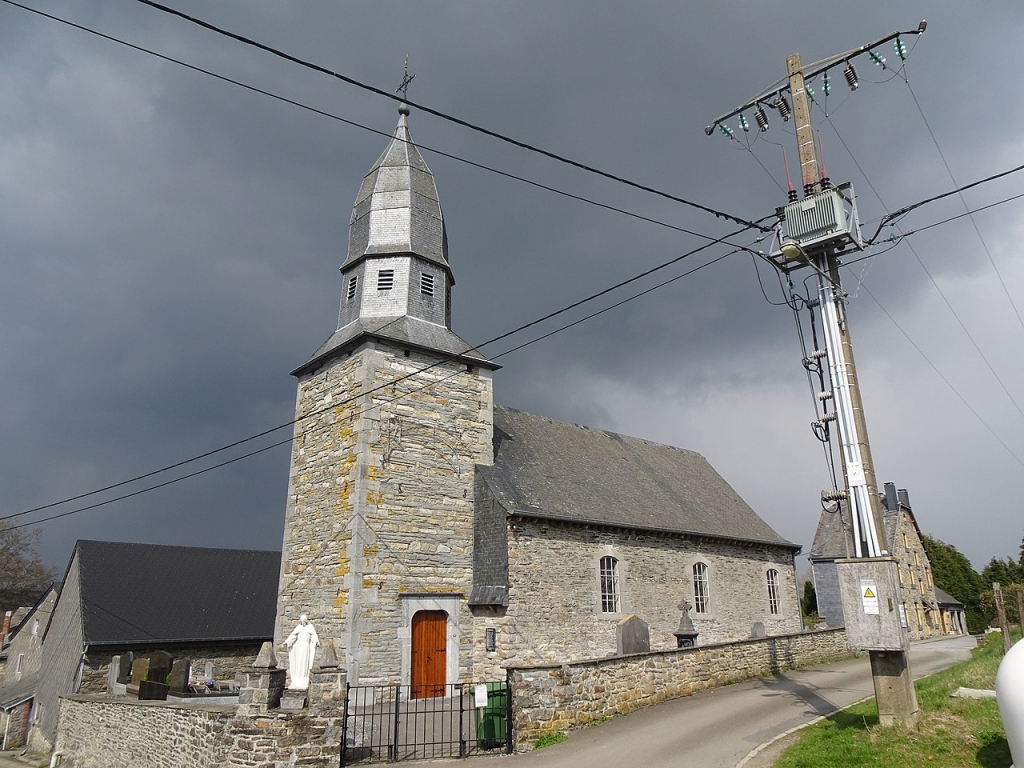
(890, 497)
(6, 628)
(904, 497)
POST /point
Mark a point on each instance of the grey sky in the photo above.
(171, 242)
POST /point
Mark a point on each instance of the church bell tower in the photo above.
(394, 410)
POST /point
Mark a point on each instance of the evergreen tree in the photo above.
(809, 603)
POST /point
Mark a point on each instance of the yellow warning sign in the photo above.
(869, 596)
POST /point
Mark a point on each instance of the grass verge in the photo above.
(949, 731)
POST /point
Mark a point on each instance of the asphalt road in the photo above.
(719, 728)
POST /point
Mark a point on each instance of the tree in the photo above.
(809, 603)
(953, 573)
(1003, 571)
(23, 577)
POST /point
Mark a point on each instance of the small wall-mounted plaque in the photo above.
(491, 639)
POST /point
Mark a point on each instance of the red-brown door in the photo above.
(429, 654)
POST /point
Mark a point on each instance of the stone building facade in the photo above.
(434, 537)
(919, 608)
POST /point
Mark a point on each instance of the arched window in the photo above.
(609, 584)
(772, 578)
(701, 589)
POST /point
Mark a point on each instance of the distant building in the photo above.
(833, 540)
(23, 647)
(131, 600)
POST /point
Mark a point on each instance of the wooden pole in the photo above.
(1001, 613)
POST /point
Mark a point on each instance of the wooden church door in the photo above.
(429, 654)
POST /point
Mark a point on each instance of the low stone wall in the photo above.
(557, 697)
(96, 732)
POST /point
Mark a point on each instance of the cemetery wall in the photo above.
(228, 662)
(555, 611)
(557, 697)
(105, 733)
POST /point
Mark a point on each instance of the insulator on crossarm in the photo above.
(783, 106)
(834, 496)
(726, 130)
(761, 118)
(851, 77)
(826, 84)
(878, 59)
(744, 124)
(829, 417)
(819, 353)
(824, 396)
(901, 48)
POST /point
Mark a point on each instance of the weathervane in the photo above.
(406, 79)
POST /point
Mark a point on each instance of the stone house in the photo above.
(435, 537)
(919, 609)
(120, 600)
(20, 676)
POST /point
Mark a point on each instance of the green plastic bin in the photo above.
(491, 720)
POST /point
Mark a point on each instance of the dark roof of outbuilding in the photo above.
(557, 470)
(946, 599)
(19, 691)
(150, 593)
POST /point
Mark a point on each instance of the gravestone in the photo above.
(208, 671)
(113, 672)
(686, 635)
(124, 674)
(757, 631)
(140, 672)
(328, 656)
(159, 666)
(180, 670)
(632, 636)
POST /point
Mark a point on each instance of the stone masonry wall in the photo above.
(97, 732)
(559, 697)
(380, 506)
(554, 611)
(102, 733)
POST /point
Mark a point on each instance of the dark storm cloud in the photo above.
(172, 242)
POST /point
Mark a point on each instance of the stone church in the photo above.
(434, 537)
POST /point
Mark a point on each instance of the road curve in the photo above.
(718, 728)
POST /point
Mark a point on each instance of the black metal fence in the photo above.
(403, 722)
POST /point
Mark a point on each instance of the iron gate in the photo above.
(404, 722)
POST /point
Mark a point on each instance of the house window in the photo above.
(385, 279)
(701, 589)
(917, 558)
(899, 572)
(426, 284)
(21, 663)
(353, 283)
(609, 584)
(772, 578)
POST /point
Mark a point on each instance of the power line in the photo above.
(444, 116)
(938, 289)
(397, 380)
(354, 124)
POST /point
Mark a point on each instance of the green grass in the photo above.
(553, 737)
(948, 732)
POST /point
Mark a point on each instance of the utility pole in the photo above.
(819, 228)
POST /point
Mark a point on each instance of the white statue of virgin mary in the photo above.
(301, 645)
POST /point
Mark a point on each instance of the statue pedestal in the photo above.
(686, 639)
(293, 700)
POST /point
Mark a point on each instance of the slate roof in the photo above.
(409, 331)
(828, 538)
(947, 600)
(147, 593)
(397, 209)
(557, 470)
(19, 692)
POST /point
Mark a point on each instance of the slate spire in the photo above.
(397, 210)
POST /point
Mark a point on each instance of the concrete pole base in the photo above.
(894, 688)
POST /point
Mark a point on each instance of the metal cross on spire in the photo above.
(406, 80)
